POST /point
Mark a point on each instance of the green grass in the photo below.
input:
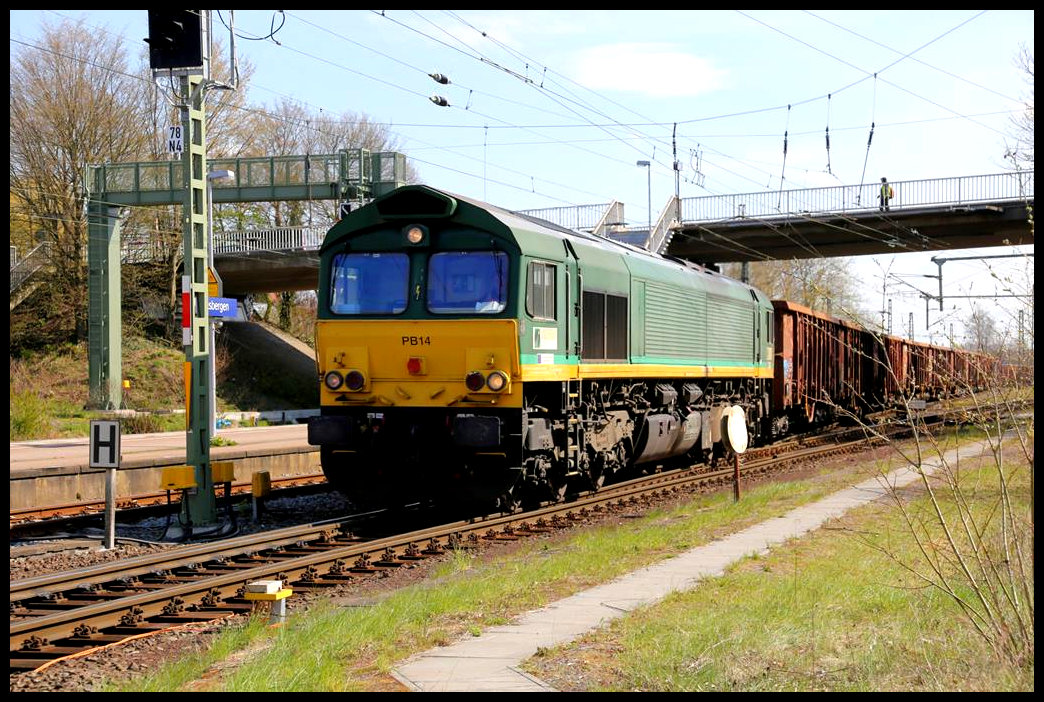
(193, 664)
(829, 611)
(49, 390)
(29, 415)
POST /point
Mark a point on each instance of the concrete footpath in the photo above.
(487, 663)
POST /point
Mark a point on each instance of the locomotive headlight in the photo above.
(474, 381)
(354, 380)
(415, 234)
(333, 380)
(496, 381)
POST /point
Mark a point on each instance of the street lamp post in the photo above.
(211, 177)
(648, 170)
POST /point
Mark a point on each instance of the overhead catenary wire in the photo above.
(782, 174)
(487, 144)
(914, 58)
(828, 137)
(488, 126)
(471, 110)
(869, 140)
(283, 45)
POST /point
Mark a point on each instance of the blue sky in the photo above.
(554, 108)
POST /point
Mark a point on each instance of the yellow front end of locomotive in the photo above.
(418, 363)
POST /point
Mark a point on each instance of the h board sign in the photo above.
(105, 444)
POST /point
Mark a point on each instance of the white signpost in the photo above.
(105, 453)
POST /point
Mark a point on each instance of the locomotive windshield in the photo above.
(369, 283)
(467, 281)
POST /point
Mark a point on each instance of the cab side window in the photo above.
(540, 290)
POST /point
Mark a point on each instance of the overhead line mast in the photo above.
(179, 46)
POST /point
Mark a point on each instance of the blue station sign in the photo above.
(222, 306)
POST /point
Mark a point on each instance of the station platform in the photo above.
(489, 662)
(54, 472)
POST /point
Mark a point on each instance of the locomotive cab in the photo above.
(417, 350)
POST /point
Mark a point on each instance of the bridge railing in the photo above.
(573, 216)
(226, 243)
(348, 174)
(662, 232)
(279, 239)
(613, 217)
(847, 199)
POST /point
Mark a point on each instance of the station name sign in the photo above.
(222, 306)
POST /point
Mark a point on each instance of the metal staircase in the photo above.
(24, 278)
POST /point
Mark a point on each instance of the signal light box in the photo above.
(175, 39)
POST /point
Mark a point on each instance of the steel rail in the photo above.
(250, 544)
(93, 507)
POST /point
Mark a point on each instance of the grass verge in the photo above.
(839, 609)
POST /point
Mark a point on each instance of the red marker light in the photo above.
(354, 380)
(474, 381)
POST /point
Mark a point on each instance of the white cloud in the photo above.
(658, 70)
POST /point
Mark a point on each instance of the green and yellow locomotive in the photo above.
(466, 352)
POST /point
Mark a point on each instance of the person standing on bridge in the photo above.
(886, 194)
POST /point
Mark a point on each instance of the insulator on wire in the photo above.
(439, 100)
(439, 78)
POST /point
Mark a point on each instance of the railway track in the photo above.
(31, 522)
(75, 612)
